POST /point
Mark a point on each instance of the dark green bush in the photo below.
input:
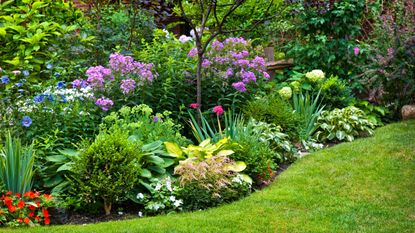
(107, 169)
(274, 109)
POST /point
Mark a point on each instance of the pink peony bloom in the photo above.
(218, 110)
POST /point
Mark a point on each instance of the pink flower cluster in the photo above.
(127, 85)
(104, 103)
(233, 61)
(96, 76)
(126, 65)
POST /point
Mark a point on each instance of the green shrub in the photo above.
(273, 109)
(343, 125)
(28, 30)
(108, 169)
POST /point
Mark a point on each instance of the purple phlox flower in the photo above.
(96, 75)
(259, 61)
(126, 65)
(26, 73)
(242, 62)
(60, 85)
(229, 73)
(221, 60)
(234, 41)
(26, 121)
(206, 63)
(157, 119)
(356, 51)
(247, 76)
(192, 52)
(127, 85)
(39, 99)
(5, 79)
(217, 45)
(240, 86)
(237, 55)
(266, 75)
(76, 83)
(184, 38)
(104, 103)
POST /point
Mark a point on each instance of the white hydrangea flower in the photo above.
(286, 92)
(140, 196)
(158, 187)
(315, 75)
(172, 198)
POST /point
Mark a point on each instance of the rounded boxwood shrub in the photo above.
(108, 169)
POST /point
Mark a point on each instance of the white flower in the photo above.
(158, 187)
(184, 38)
(140, 214)
(140, 196)
(167, 33)
(315, 75)
(238, 179)
(172, 198)
(177, 203)
(120, 213)
(168, 184)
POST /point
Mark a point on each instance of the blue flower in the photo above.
(63, 100)
(50, 98)
(19, 84)
(26, 121)
(57, 74)
(157, 119)
(39, 99)
(49, 66)
(26, 73)
(60, 85)
(5, 79)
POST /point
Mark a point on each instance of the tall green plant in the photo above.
(309, 108)
(16, 165)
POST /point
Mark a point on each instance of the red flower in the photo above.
(38, 204)
(45, 213)
(26, 220)
(30, 195)
(17, 195)
(47, 221)
(12, 208)
(37, 219)
(7, 201)
(218, 110)
(9, 193)
(32, 207)
(48, 196)
(20, 220)
(20, 204)
(31, 214)
(194, 105)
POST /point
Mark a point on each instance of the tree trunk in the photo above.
(107, 206)
(199, 80)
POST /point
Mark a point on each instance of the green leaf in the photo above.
(145, 173)
(152, 146)
(225, 152)
(65, 167)
(237, 167)
(340, 135)
(173, 149)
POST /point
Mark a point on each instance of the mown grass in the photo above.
(364, 186)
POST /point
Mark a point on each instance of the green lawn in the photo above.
(364, 186)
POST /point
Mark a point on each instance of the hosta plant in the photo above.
(343, 125)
